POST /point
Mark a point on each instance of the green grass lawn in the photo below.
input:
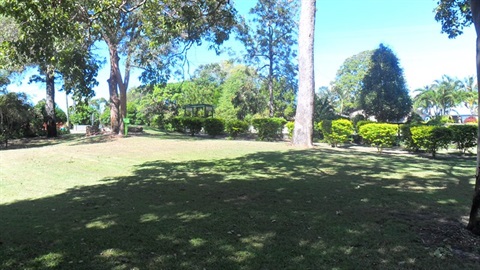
(169, 202)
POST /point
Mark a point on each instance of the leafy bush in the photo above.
(406, 137)
(290, 125)
(361, 123)
(357, 118)
(380, 135)
(193, 124)
(336, 131)
(268, 128)
(431, 138)
(464, 136)
(214, 126)
(177, 124)
(236, 127)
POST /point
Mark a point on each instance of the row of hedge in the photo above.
(267, 128)
(380, 135)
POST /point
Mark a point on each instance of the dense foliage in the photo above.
(379, 135)
(384, 93)
(431, 138)
(464, 136)
(236, 127)
(336, 131)
(214, 126)
(269, 128)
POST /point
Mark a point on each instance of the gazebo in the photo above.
(195, 109)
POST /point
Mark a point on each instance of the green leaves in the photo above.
(384, 93)
(379, 134)
(454, 15)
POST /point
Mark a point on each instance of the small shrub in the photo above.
(406, 137)
(193, 124)
(214, 126)
(431, 138)
(236, 127)
(178, 124)
(464, 136)
(290, 126)
(268, 128)
(379, 135)
(336, 131)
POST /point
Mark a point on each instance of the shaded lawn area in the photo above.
(284, 209)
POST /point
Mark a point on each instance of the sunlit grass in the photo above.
(156, 202)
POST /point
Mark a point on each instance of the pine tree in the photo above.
(384, 93)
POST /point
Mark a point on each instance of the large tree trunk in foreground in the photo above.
(303, 131)
(472, 223)
(50, 103)
(115, 118)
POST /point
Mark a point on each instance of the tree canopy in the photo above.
(384, 93)
(270, 39)
(349, 82)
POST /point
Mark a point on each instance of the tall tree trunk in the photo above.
(115, 119)
(303, 131)
(271, 55)
(122, 86)
(270, 91)
(472, 223)
(50, 102)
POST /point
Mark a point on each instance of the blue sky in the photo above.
(345, 28)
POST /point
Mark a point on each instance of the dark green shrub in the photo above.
(236, 127)
(336, 131)
(431, 138)
(464, 136)
(193, 124)
(414, 119)
(269, 128)
(406, 137)
(214, 126)
(290, 126)
(177, 124)
(357, 118)
(379, 134)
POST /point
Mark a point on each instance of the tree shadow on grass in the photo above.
(308, 209)
(36, 142)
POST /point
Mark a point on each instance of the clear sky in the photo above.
(347, 27)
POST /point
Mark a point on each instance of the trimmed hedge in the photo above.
(177, 124)
(379, 134)
(431, 138)
(464, 136)
(236, 127)
(193, 124)
(213, 126)
(336, 131)
(269, 128)
(363, 122)
(406, 135)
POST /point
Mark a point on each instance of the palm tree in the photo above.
(424, 101)
(447, 93)
(470, 94)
